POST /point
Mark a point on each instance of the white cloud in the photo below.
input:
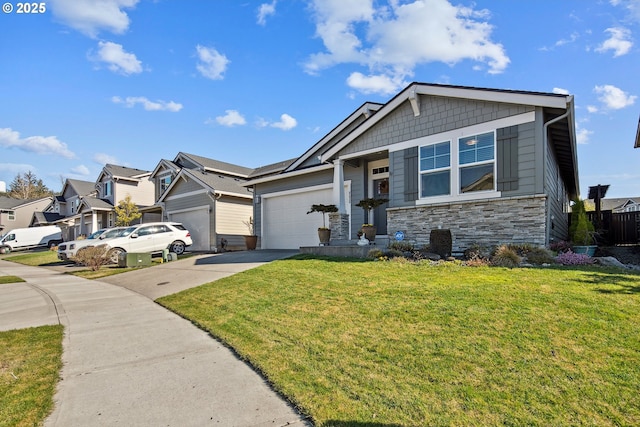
(265, 10)
(632, 6)
(286, 122)
(231, 118)
(560, 91)
(117, 59)
(619, 42)
(383, 84)
(392, 40)
(91, 16)
(103, 159)
(582, 135)
(212, 63)
(614, 98)
(34, 144)
(592, 109)
(81, 170)
(148, 105)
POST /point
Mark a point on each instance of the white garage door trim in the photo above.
(267, 242)
(201, 232)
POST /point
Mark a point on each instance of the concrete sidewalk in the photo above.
(128, 361)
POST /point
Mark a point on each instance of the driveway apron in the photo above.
(128, 361)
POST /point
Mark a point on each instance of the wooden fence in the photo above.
(617, 228)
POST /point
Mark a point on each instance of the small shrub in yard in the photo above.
(571, 258)
(401, 246)
(375, 254)
(505, 256)
(560, 246)
(539, 256)
(93, 257)
(393, 253)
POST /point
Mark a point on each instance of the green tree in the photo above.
(27, 186)
(126, 212)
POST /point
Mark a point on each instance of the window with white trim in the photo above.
(108, 189)
(435, 169)
(460, 167)
(11, 216)
(477, 164)
(164, 183)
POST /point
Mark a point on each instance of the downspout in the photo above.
(545, 148)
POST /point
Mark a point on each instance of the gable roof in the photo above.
(212, 165)
(45, 218)
(617, 203)
(10, 203)
(81, 188)
(214, 182)
(122, 172)
(94, 203)
(413, 92)
(163, 165)
(366, 110)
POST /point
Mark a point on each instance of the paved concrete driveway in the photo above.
(172, 277)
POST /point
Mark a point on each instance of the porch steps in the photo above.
(346, 248)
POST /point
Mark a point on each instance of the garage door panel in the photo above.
(197, 222)
(287, 225)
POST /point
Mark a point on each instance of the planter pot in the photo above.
(324, 234)
(251, 242)
(589, 250)
(369, 232)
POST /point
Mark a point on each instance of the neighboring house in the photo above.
(493, 166)
(620, 205)
(205, 195)
(65, 209)
(17, 213)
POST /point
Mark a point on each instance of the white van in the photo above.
(32, 237)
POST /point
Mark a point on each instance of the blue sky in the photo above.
(130, 82)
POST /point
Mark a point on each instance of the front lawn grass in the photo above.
(39, 258)
(404, 344)
(10, 279)
(30, 363)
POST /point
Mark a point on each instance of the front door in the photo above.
(379, 189)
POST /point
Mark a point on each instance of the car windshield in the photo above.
(114, 232)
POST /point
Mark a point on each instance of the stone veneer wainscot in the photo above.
(485, 222)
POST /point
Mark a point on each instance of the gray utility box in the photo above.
(130, 259)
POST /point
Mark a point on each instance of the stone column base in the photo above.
(339, 225)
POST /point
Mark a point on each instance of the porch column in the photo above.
(82, 226)
(338, 185)
(94, 221)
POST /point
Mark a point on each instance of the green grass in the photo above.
(30, 362)
(50, 259)
(10, 279)
(35, 258)
(402, 344)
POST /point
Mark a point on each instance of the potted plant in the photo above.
(324, 233)
(251, 241)
(368, 205)
(582, 230)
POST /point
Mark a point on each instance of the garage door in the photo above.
(286, 224)
(197, 222)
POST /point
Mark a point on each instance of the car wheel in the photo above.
(177, 247)
(114, 255)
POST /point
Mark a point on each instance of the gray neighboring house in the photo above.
(493, 166)
(65, 209)
(207, 196)
(17, 213)
(620, 204)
